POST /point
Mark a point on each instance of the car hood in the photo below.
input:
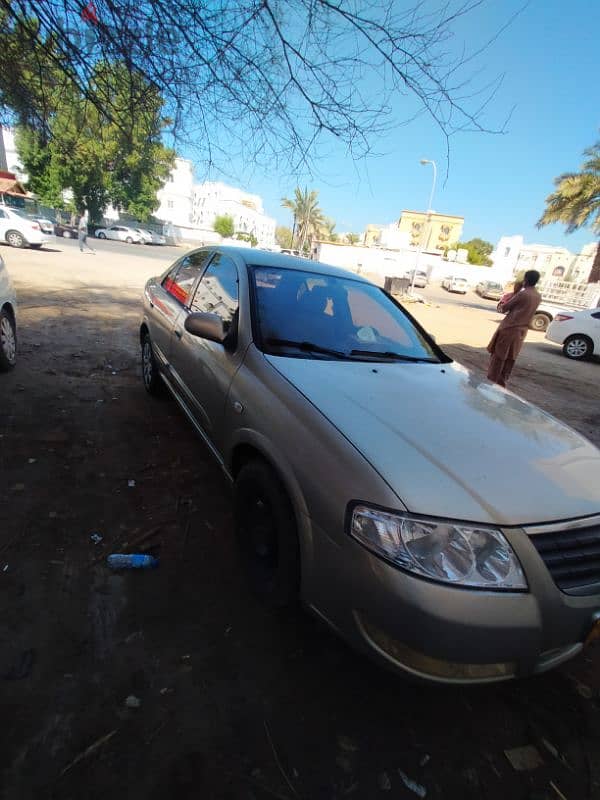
(451, 444)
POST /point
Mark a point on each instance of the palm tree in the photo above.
(576, 201)
(308, 217)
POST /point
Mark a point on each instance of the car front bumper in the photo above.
(444, 634)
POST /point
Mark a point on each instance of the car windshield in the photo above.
(310, 315)
(495, 286)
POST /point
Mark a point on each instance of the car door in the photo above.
(3, 223)
(114, 232)
(166, 299)
(205, 369)
(595, 331)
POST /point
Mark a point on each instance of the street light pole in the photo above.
(427, 226)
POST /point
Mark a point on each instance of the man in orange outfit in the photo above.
(506, 343)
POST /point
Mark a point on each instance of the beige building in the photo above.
(431, 231)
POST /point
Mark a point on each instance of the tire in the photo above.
(129, 240)
(102, 236)
(8, 341)
(15, 239)
(153, 383)
(540, 323)
(578, 346)
(66, 234)
(266, 532)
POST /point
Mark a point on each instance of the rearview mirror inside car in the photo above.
(206, 326)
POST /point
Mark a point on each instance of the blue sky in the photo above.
(551, 62)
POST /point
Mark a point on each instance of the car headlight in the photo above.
(449, 552)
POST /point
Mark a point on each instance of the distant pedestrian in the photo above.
(83, 234)
(506, 343)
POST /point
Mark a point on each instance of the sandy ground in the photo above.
(234, 701)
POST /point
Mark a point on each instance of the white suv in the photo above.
(8, 321)
(19, 231)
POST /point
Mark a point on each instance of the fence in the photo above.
(580, 295)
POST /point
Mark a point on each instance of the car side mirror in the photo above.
(206, 326)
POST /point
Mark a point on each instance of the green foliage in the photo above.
(353, 238)
(247, 237)
(119, 160)
(479, 251)
(576, 199)
(224, 225)
(308, 216)
(327, 231)
(283, 237)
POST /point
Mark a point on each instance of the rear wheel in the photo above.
(102, 235)
(267, 536)
(153, 383)
(540, 323)
(129, 240)
(66, 234)
(15, 239)
(578, 347)
(8, 341)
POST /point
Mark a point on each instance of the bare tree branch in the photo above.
(269, 78)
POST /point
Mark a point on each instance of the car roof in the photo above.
(265, 258)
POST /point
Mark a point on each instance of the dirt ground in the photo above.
(229, 699)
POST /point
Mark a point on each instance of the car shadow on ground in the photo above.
(230, 700)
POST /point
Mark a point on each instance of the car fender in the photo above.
(282, 466)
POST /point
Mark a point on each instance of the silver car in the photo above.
(434, 520)
(8, 321)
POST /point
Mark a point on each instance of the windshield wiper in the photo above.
(309, 347)
(393, 356)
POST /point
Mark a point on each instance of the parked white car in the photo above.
(420, 280)
(577, 331)
(8, 321)
(19, 231)
(150, 237)
(120, 233)
(455, 283)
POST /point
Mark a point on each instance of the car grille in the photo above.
(572, 558)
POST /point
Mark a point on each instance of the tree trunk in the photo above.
(595, 271)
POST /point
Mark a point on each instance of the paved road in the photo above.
(165, 254)
(434, 293)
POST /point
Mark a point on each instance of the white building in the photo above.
(9, 158)
(213, 199)
(177, 195)
(582, 265)
(511, 255)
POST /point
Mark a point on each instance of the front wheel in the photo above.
(578, 347)
(540, 323)
(102, 236)
(8, 341)
(129, 240)
(66, 234)
(267, 537)
(15, 239)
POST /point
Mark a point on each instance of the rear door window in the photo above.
(181, 278)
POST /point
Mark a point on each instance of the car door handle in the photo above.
(151, 304)
(178, 334)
